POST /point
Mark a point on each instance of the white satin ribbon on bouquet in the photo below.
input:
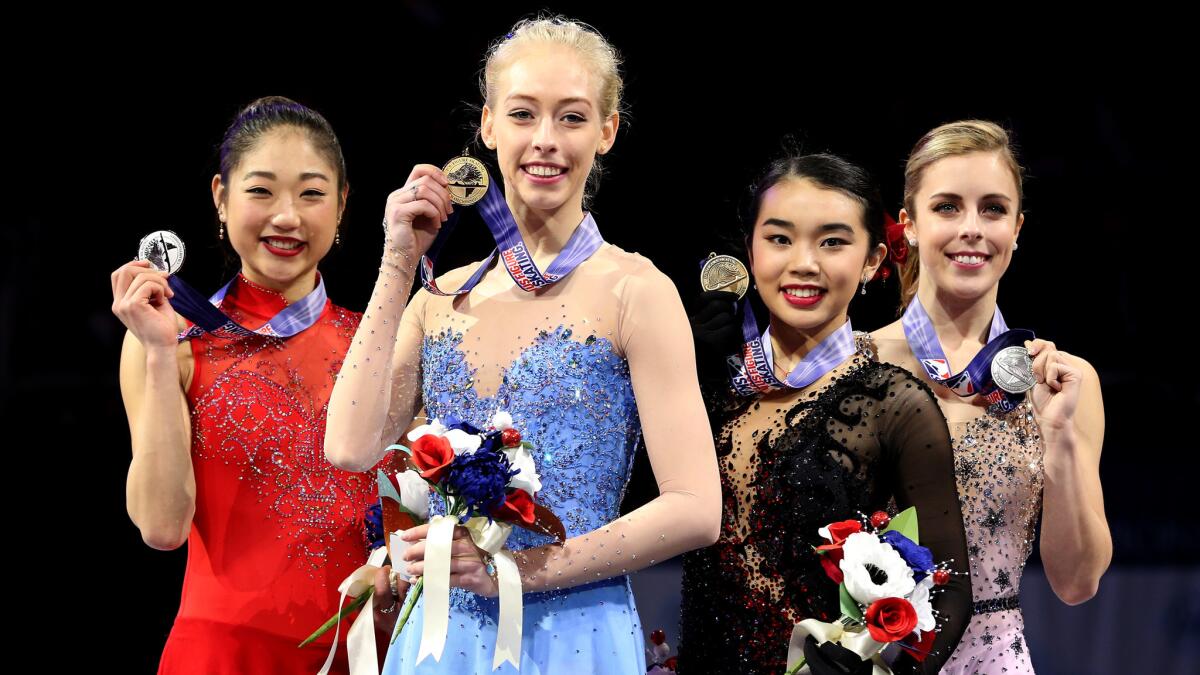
(859, 642)
(360, 639)
(490, 537)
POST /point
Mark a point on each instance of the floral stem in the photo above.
(333, 620)
(413, 594)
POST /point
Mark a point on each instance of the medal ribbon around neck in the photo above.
(976, 378)
(754, 372)
(511, 248)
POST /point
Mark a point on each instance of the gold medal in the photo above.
(468, 179)
(724, 273)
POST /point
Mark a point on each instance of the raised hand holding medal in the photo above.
(414, 214)
(1055, 396)
(141, 292)
(469, 183)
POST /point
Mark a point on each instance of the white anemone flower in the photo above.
(920, 602)
(874, 570)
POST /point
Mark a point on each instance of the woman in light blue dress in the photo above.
(585, 362)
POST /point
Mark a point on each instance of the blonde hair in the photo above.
(586, 41)
(951, 140)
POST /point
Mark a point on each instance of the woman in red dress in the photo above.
(227, 432)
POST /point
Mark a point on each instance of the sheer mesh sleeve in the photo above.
(378, 387)
(917, 444)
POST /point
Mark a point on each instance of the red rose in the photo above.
(518, 505)
(831, 554)
(658, 636)
(919, 649)
(671, 663)
(432, 455)
(890, 619)
(839, 531)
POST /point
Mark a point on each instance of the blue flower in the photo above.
(453, 422)
(480, 479)
(918, 558)
(491, 441)
(373, 526)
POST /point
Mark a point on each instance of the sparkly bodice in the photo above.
(571, 399)
(792, 462)
(276, 526)
(555, 361)
(998, 465)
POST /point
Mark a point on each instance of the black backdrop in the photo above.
(116, 136)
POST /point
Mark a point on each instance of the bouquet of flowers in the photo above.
(885, 579)
(487, 481)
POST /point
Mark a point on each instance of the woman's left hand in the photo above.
(1056, 394)
(467, 567)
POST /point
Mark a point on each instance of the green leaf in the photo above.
(527, 445)
(905, 523)
(399, 447)
(849, 607)
(386, 489)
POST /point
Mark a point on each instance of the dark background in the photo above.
(116, 136)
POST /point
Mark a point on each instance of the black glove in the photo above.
(716, 331)
(830, 658)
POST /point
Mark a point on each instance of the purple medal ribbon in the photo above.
(976, 378)
(207, 316)
(584, 241)
(754, 372)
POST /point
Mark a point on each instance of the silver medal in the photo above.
(1012, 370)
(163, 249)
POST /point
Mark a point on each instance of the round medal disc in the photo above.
(468, 179)
(1012, 370)
(163, 249)
(724, 273)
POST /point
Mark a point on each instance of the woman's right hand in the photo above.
(716, 326)
(141, 301)
(415, 212)
(387, 602)
(716, 332)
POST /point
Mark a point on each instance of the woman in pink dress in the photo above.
(1018, 456)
